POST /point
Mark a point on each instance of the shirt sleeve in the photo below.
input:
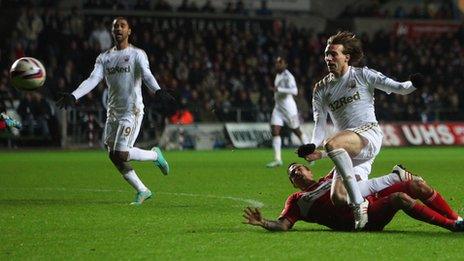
(320, 119)
(90, 83)
(379, 81)
(291, 211)
(147, 77)
(288, 86)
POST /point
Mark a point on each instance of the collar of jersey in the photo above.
(116, 49)
(345, 76)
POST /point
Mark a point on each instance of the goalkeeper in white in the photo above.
(124, 67)
(347, 94)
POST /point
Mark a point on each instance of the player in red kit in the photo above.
(325, 202)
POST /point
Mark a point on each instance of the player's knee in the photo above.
(118, 157)
(275, 131)
(333, 144)
(122, 155)
(421, 189)
(401, 200)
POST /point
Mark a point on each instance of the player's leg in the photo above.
(116, 136)
(276, 126)
(341, 148)
(276, 146)
(431, 198)
(138, 154)
(420, 211)
(374, 185)
(141, 154)
(403, 196)
(119, 160)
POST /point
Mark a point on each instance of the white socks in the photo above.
(277, 144)
(141, 155)
(344, 166)
(134, 181)
(371, 186)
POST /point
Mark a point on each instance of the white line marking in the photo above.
(251, 202)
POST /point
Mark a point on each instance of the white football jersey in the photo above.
(350, 99)
(286, 88)
(123, 70)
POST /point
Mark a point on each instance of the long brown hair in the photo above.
(351, 45)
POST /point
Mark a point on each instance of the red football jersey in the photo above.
(315, 206)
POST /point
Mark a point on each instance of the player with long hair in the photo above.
(124, 67)
(347, 94)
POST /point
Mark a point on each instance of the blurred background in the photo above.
(217, 58)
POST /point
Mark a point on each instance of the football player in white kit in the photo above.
(124, 67)
(285, 110)
(347, 94)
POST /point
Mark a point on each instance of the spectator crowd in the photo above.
(222, 71)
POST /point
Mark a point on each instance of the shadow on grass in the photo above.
(249, 229)
(444, 233)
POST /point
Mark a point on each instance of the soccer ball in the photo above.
(27, 74)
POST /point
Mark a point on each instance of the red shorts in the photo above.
(381, 208)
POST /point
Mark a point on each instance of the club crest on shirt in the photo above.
(352, 84)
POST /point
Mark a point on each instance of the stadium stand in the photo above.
(221, 68)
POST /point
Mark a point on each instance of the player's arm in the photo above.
(147, 77)
(309, 152)
(388, 85)
(69, 99)
(288, 86)
(253, 217)
(149, 80)
(320, 119)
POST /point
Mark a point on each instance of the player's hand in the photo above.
(306, 149)
(65, 100)
(253, 217)
(316, 155)
(417, 80)
(168, 102)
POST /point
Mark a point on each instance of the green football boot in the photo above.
(141, 196)
(160, 162)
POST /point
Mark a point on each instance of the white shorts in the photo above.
(363, 170)
(121, 132)
(279, 118)
(372, 136)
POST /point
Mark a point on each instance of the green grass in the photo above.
(57, 205)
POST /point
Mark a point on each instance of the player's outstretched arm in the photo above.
(253, 217)
(66, 100)
(388, 85)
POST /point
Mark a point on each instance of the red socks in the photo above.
(439, 204)
(426, 214)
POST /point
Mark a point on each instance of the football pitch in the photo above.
(74, 204)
